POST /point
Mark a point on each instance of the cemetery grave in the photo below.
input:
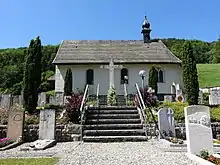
(200, 146)
(14, 130)
(46, 131)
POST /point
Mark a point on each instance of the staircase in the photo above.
(113, 124)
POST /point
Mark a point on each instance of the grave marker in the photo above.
(59, 98)
(198, 129)
(214, 98)
(46, 131)
(166, 122)
(168, 98)
(47, 124)
(15, 124)
(42, 99)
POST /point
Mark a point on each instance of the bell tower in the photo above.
(146, 30)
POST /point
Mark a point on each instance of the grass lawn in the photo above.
(209, 75)
(29, 161)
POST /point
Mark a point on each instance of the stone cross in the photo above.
(170, 117)
(111, 68)
(166, 122)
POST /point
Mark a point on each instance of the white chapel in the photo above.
(89, 61)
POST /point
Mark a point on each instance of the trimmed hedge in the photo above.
(178, 109)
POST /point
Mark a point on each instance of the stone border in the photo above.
(10, 146)
(199, 160)
(170, 144)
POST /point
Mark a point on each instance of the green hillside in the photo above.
(209, 75)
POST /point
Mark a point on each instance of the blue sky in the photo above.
(56, 20)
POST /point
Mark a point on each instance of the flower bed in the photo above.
(174, 140)
(4, 142)
(215, 158)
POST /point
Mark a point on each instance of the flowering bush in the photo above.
(73, 107)
(4, 142)
(205, 155)
(150, 100)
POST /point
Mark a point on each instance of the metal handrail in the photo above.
(97, 95)
(125, 94)
(82, 110)
(142, 105)
(143, 108)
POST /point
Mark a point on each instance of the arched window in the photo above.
(124, 72)
(160, 75)
(90, 77)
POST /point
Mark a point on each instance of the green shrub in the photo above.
(178, 108)
(215, 114)
(29, 120)
(150, 117)
(51, 93)
(92, 103)
(111, 98)
(50, 106)
(204, 154)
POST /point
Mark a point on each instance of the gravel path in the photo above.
(76, 153)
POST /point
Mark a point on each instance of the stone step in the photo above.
(113, 116)
(137, 132)
(113, 121)
(113, 108)
(113, 111)
(114, 138)
(112, 126)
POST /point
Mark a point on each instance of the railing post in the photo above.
(82, 110)
(126, 94)
(97, 95)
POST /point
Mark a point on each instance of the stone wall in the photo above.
(64, 133)
(71, 132)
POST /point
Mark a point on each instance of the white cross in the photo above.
(111, 68)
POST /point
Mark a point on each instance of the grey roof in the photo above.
(122, 51)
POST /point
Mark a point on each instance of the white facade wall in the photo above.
(172, 73)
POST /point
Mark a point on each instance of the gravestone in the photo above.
(168, 98)
(198, 129)
(47, 124)
(59, 98)
(6, 101)
(42, 99)
(15, 124)
(166, 122)
(214, 97)
(21, 101)
(52, 100)
(46, 131)
(16, 100)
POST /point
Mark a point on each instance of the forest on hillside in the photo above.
(12, 62)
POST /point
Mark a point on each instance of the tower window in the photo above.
(90, 77)
(124, 74)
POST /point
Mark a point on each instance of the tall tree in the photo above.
(215, 51)
(32, 75)
(153, 78)
(189, 73)
(68, 83)
(38, 57)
